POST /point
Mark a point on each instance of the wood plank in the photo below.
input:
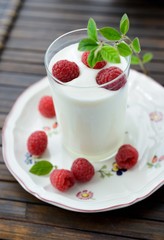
(115, 8)
(23, 56)
(18, 80)
(29, 44)
(2, 120)
(18, 230)
(14, 192)
(45, 33)
(10, 93)
(42, 26)
(12, 210)
(84, 15)
(109, 223)
(23, 68)
(8, 96)
(5, 175)
(118, 3)
(36, 213)
(1, 157)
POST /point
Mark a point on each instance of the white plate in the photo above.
(145, 130)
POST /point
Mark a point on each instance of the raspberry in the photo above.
(46, 107)
(37, 143)
(108, 74)
(62, 179)
(98, 65)
(82, 170)
(126, 156)
(65, 70)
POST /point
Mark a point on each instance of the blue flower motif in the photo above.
(28, 158)
(117, 170)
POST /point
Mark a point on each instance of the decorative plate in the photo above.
(111, 187)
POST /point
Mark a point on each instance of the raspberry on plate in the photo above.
(108, 74)
(82, 170)
(37, 143)
(98, 65)
(46, 107)
(65, 70)
(62, 179)
(127, 156)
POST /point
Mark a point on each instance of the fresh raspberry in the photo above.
(62, 179)
(65, 70)
(46, 107)
(37, 143)
(82, 170)
(108, 74)
(126, 156)
(98, 65)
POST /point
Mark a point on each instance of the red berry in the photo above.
(37, 143)
(98, 65)
(46, 107)
(82, 170)
(126, 156)
(65, 70)
(62, 179)
(108, 74)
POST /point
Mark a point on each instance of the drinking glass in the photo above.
(91, 118)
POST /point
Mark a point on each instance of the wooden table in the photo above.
(38, 22)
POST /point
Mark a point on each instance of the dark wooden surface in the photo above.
(38, 22)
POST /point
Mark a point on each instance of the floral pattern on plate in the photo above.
(85, 195)
(155, 162)
(156, 116)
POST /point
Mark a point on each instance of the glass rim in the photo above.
(74, 85)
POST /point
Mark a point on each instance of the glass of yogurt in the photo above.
(91, 117)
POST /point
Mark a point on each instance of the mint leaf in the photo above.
(147, 57)
(135, 60)
(41, 168)
(110, 33)
(136, 45)
(124, 49)
(124, 24)
(87, 44)
(92, 29)
(94, 57)
(110, 54)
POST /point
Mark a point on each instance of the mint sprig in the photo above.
(115, 43)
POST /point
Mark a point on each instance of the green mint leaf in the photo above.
(136, 45)
(41, 168)
(110, 33)
(87, 44)
(92, 29)
(91, 59)
(147, 57)
(94, 57)
(124, 24)
(110, 54)
(124, 49)
(135, 60)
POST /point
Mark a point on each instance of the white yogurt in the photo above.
(91, 118)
